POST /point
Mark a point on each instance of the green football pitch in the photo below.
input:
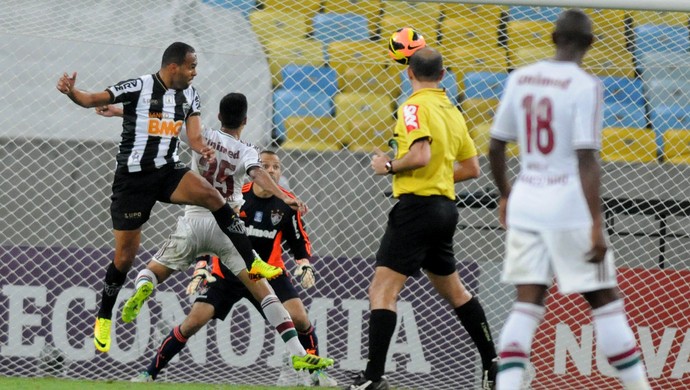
(67, 384)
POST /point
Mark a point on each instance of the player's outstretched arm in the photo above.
(196, 140)
(66, 85)
(590, 177)
(109, 110)
(264, 180)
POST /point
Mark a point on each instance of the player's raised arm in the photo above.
(66, 85)
(109, 111)
(263, 179)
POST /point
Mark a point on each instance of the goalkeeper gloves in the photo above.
(200, 278)
(306, 273)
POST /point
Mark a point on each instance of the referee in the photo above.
(434, 150)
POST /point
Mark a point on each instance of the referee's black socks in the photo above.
(473, 319)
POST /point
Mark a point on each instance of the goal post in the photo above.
(322, 93)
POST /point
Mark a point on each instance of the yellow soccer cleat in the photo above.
(133, 305)
(261, 269)
(101, 334)
(310, 362)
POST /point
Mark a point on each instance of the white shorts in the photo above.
(195, 236)
(536, 257)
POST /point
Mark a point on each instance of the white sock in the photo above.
(617, 341)
(515, 344)
(145, 275)
(281, 321)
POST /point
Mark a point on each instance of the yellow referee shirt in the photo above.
(429, 113)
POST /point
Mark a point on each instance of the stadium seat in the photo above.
(310, 78)
(469, 33)
(628, 145)
(659, 38)
(411, 9)
(481, 135)
(623, 90)
(244, 6)
(489, 13)
(304, 7)
(287, 103)
(659, 18)
(609, 28)
(478, 111)
(543, 14)
(427, 26)
(484, 85)
(603, 61)
(624, 116)
(667, 92)
(670, 117)
(449, 82)
(528, 55)
(462, 60)
(677, 146)
(296, 51)
(665, 65)
(368, 117)
(528, 34)
(363, 67)
(331, 27)
(371, 9)
(309, 133)
(270, 25)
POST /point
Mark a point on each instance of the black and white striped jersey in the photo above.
(153, 116)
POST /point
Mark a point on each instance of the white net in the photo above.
(319, 80)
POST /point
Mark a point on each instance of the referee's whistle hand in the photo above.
(378, 162)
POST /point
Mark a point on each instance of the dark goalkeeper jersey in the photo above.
(269, 221)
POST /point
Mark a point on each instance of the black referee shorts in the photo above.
(419, 234)
(134, 194)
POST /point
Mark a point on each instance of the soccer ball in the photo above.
(403, 43)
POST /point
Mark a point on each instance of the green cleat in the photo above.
(310, 362)
(261, 269)
(101, 334)
(133, 305)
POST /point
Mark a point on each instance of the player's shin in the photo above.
(170, 347)
(515, 344)
(280, 319)
(114, 279)
(233, 227)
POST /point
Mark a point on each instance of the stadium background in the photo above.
(57, 162)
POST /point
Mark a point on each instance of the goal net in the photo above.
(322, 92)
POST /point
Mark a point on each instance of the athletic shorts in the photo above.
(134, 194)
(196, 235)
(419, 234)
(225, 292)
(536, 257)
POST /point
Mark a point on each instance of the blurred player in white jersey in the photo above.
(197, 232)
(553, 212)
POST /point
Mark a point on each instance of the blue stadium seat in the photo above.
(660, 38)
(288, 103)
(623, 90)
(310, 78)
(624, 116)
(665, 65)
(484, 85)
(449, 82)
(544, 14)
(667, 92)
(331, 27)
(675, 117)
(244, 6)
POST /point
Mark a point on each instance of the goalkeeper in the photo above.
(268, 222)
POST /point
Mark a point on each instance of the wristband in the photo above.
(389, 167)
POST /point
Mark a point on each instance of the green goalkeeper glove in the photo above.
(200, 278)
(306, 273)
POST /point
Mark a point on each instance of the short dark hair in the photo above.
(233, 110)
(427, 64)
(176, 54)
(573, 28)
